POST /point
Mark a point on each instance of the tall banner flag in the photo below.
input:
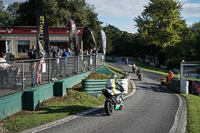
(73, 36)
(42, 34)
(103, 37)
(93, 37)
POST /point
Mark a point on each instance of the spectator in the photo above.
(81, 52)
(66, 53)
(32, 67)
(90, 65)
(39, 71)
(4, 67)
(90, 52)
(55, 54)
(86, 53)
(81, 60)
(85, 60)
(94, 51)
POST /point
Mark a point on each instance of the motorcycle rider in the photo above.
(133, 67)
(111, 84)
(138, 71)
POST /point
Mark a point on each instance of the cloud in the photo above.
(191, 10)
(118, 8)
(7, 2)
(183, 1)
(119, 13)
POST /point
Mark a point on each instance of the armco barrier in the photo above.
(94, 87)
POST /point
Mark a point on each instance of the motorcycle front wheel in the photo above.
(108, 107)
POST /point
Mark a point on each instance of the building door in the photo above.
(9, 47)
(2, 46)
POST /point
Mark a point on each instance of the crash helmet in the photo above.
(114, 75)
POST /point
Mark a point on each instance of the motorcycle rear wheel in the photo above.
(140, 78)
(109, 108)
(121, 107)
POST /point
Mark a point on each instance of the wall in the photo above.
(10, 104)
(45, 91)
(14, 103)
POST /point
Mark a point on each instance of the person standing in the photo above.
(55, 64)
(4, 67)
(133, 67)
(90, 66)
(170, 76)
(39, 71)
(32, 67)
(65, 55)
(86, 60)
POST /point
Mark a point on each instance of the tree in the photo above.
(58, 13)
(5, 18)
(13, 8)
(161, 27)
(160, 23)
(112, 34)
(195, 28)
(120, 42)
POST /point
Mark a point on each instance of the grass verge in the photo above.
(53, 109)
(92, 76)
(110, 61)
(147, 68)
(117, 71)
(193, 113)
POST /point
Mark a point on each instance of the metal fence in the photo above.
(25, 74)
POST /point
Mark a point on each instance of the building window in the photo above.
(23, 46)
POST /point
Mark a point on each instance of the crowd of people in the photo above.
(59, 62)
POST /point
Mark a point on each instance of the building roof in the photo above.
(33, 30)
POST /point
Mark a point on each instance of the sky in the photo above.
(121, 14)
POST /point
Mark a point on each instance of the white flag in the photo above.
(103, 36)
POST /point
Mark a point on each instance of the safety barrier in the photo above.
(94, 87)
